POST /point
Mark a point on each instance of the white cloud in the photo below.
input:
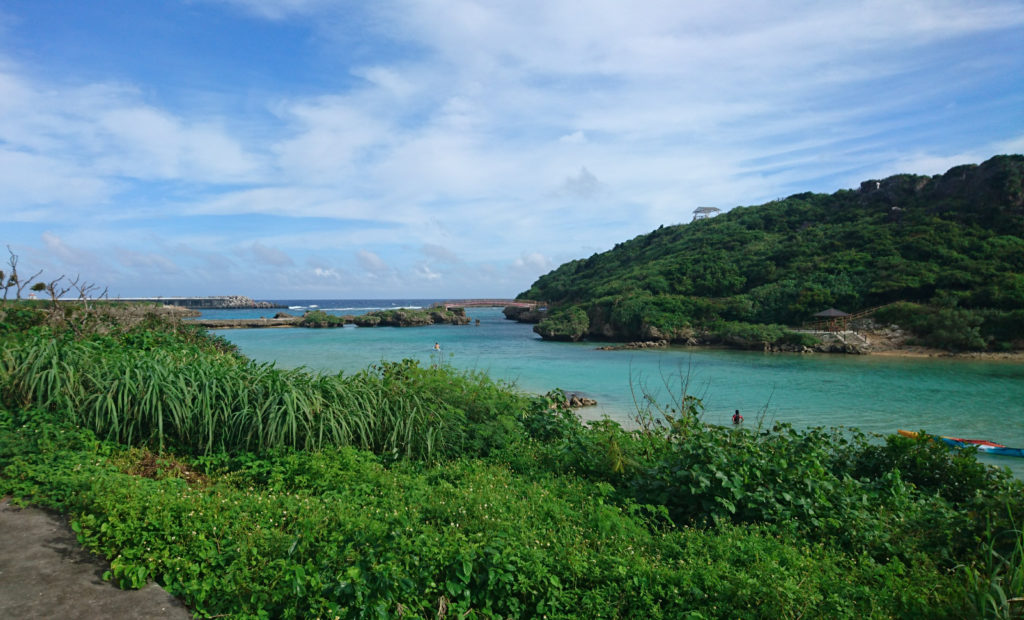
(326, 273)
(372, 263)
(534, 261)
(281, 9)
(83, 144)
(389, 80)
(583, 185)
(31, 179)
(1012, 145)
(265, 255)
(424, 272)
(331, 135)
(146, 262)
(488, 130)
(440, 253)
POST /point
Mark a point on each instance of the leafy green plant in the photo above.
(337, 533)
(572, 324)
(995, 588)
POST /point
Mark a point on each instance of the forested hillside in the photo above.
(951, 245)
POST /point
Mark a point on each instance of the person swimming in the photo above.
(737, 418)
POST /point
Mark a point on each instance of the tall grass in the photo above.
(995, 586)
(206, 403)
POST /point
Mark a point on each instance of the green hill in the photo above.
(951, 246)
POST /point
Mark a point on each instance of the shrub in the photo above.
(568, 324)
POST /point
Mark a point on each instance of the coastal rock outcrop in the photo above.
(521, 314)
(575, 401)
(412, 318)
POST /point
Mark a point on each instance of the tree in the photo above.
(13, 280)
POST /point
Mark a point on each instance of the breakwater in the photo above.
(216, 302)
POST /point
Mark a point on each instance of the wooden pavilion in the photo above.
(703, 213)
(834, 319)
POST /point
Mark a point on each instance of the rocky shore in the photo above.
(647, 344)
(865, 337)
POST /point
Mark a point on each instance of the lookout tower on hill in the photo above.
(703, 213)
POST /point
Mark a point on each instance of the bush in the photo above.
(569, 324)
(337, 534)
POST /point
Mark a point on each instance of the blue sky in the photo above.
(453, 148)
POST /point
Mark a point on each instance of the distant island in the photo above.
(936, 260)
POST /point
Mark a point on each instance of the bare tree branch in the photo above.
(55, 292)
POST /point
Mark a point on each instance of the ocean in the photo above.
(978, 399)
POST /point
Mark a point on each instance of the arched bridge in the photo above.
(488, 303)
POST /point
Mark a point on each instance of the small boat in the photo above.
(988, 447)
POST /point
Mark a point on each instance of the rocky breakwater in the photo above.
(220, 302)
(238, 301)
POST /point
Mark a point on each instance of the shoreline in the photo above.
(924, 352)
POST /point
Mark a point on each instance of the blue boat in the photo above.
(988, 447)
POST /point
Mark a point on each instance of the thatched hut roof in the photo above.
(832, 313)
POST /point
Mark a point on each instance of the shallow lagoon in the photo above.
(965, 398)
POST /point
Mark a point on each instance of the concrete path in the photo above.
(45, 573)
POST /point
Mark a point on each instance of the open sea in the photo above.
(977, 399)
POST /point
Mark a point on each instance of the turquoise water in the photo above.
(963, 398)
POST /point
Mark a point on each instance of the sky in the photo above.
(287, 149)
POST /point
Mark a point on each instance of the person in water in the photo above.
(437, 346)
(736, 417)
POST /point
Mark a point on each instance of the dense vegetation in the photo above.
(952, 246)
(405, 491)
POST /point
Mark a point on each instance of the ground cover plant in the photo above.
(404, 491)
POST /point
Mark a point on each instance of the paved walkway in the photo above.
(45, 573)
